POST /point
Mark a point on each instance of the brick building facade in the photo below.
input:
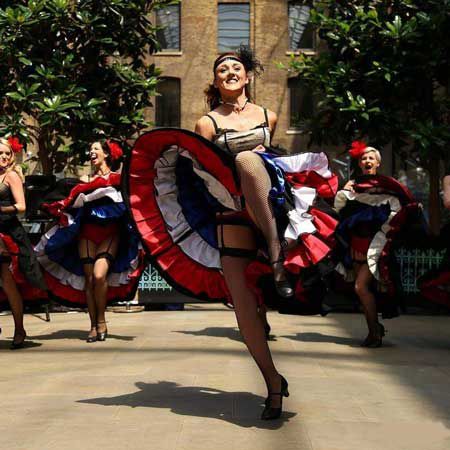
(190, 66)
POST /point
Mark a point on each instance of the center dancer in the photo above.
(240, 126)
(226, 217)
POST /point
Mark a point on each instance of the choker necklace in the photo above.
(103, 174)
(236, 106)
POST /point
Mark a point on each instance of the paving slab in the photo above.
(183, 380)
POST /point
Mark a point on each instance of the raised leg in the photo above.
(256, 185)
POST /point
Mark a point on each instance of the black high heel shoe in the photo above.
(16, 345)
(270, 413)
(102, 335)
(283, 287)
(375, 341)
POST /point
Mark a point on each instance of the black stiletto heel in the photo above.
(270, 413)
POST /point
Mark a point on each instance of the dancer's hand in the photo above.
(349, 186)
(259, 149)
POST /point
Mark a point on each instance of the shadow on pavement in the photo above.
(238, 408)
(76, 334)
(319, 337)
(6, 344)
(223, 332)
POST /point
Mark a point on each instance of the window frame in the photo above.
(234, 3)
(165, 51)
(305, 50)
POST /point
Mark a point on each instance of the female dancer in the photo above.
(20, 273)
(93, 226)
(373, 208)
(196, 228)
(245, 128)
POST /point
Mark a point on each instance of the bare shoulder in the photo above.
(204, 127)
(13, 178)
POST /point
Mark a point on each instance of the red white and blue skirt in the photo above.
(371, 219)
(178, 183)
(95, 211)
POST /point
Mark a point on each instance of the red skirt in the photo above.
(98, 233)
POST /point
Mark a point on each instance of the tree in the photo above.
(73, 69)
(383, 75)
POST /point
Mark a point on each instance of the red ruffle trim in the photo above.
(184, 273)
(57, 209)
(78, 298)
(325, 187)
(434, 290)
(312, 248)
(27, 291)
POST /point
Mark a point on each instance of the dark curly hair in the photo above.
(244, 55)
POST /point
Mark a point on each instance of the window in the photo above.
(301, 104)
(301, 33)
(168, 19)
(233, 26)
(167, 104)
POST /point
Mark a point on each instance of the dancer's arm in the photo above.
(273, 119)
(16, 186)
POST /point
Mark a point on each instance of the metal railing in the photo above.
(414, 262)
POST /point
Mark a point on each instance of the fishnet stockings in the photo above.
(255, 185)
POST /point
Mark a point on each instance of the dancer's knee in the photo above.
(361, 289)
(245, 161)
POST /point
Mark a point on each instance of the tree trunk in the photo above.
(44, 155)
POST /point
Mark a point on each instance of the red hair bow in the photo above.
(115, 150)
(357, 149)
(15, 144)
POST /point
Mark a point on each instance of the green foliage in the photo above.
(73, 69)
(384, 74)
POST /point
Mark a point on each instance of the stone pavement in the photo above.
(183, 380)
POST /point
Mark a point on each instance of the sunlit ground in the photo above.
(184, 380)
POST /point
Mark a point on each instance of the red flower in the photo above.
(115, 150)
(15, 144)
(357, 149)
